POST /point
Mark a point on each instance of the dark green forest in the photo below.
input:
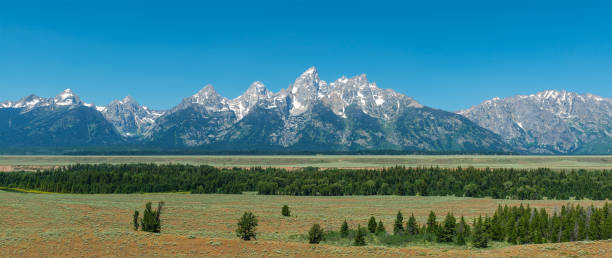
(471, 182)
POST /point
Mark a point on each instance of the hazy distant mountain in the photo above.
(348, 114)
(62, 121)
(549, 121)
(130, 118)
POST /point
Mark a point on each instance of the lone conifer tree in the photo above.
(398, 226)
(315, 235)
(344, 229)
(372, 224)
(285, 211)
(247, 226)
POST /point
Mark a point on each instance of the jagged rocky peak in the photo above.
(208, 98)
(257, 88)
(244, 103)
(129, 117)
(206, 93)
(128, 99)
(305, 90)
(28, 102)
(66, 98)
(374, 101)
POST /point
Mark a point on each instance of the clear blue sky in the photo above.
(446, 54)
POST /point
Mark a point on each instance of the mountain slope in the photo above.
(549, 122)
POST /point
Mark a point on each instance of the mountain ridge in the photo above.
(548, 122)
(348, 114)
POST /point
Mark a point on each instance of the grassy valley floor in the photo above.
(203, 225)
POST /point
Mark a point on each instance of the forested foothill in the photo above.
(470, 182)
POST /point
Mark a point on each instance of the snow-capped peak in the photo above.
(306, 89)
(208, 90)
(66, 98)
(127, 99)
(208, 96)
(310, 71)
(256, 88)
(244, 103)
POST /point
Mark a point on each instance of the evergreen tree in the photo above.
(523, 230)
(555, 231)
(480, 238)
(372, 225)
(497, 230)
(447, 232)
(411, 226)
(607, 210)
(151, 221)
(135, 220)
(344, 229)
(595, 230)
(247, 225)
(431, 223)
(398, 226)
(360, 236)
(315, 235)
(285, 211)
(380, 228)
(462, 231)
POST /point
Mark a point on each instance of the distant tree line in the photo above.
(433, 181)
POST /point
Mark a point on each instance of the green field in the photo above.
(328, 161)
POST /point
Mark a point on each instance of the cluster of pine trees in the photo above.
(471, 182)
(515, 225)
(525, 225)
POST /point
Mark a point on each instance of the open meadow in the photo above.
(12, 163)
(203, 225)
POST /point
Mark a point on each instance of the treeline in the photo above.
(471, 182)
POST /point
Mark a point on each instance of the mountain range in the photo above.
(348, 114)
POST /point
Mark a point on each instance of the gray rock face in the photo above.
(549, 122)
(130, 118)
